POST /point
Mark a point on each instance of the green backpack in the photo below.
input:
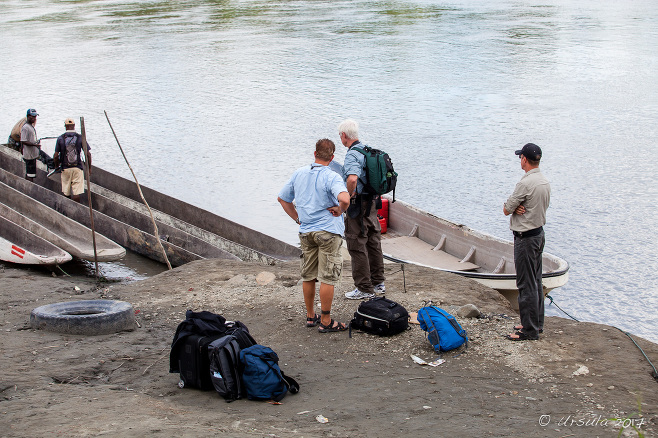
(381, 177)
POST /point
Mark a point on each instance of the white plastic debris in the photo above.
(322, 419)
(418, 360)
(436, 363)
(581, 371)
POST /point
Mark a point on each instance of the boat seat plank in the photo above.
(414, 250)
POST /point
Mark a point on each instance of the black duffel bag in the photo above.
(380, 316)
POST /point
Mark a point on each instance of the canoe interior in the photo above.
(56, 228)
(39, 251)
(476, 252)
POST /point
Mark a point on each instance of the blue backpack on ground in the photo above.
(443, 330)
(262, 378)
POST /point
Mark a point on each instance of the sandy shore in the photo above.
(566, 384)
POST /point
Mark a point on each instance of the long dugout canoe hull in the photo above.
(17, 245)
(184, 237)
(191, 216)
(130, 237)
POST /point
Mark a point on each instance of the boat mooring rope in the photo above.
(404, 278)
(654, 374)
(60, 268)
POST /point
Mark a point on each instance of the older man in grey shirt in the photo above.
(527, 206)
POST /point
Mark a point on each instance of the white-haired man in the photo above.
(362, 228)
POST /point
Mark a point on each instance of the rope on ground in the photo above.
(654, 374)
(60, 268)
(402, 263)
(404, 278)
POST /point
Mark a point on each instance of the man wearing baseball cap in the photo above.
(527, 206)
(30, 146)
(68, 151)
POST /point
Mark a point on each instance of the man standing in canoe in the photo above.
(68, 153)
(362, 228)
(321, 198)
(527, 206)
(30, 146)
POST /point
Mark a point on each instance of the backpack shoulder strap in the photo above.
(359, 149)
(292, 384)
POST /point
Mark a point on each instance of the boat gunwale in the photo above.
(562, 266)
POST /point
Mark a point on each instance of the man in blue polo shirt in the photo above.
(320, 199)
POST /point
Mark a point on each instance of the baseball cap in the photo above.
(32, 112)
(69, 121)
(531, 151)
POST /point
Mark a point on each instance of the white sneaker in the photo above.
(356, 294)
(380, 289)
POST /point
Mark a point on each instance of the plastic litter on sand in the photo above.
(418, 360)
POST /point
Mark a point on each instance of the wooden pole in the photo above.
(91, 210)
(155, 226)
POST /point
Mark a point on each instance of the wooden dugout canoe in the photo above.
(187, 232)
(17, 245)
(43, 221)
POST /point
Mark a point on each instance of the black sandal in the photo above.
(312, 322)
(522, 337)
(519, 328)
(338, 327)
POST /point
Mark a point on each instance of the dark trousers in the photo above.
(365, 248)
(528, 264)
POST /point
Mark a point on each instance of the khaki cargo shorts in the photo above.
(73, 181)
(321, 257)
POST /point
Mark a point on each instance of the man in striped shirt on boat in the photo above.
(527, 206)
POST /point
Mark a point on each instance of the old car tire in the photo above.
(88, 317)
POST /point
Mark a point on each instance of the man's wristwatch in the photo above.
(298, 221)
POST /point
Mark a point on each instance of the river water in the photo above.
(217, 102)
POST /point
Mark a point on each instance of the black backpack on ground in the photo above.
(225, 368)
(380, 316)
(189, 350)
(240, 333)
